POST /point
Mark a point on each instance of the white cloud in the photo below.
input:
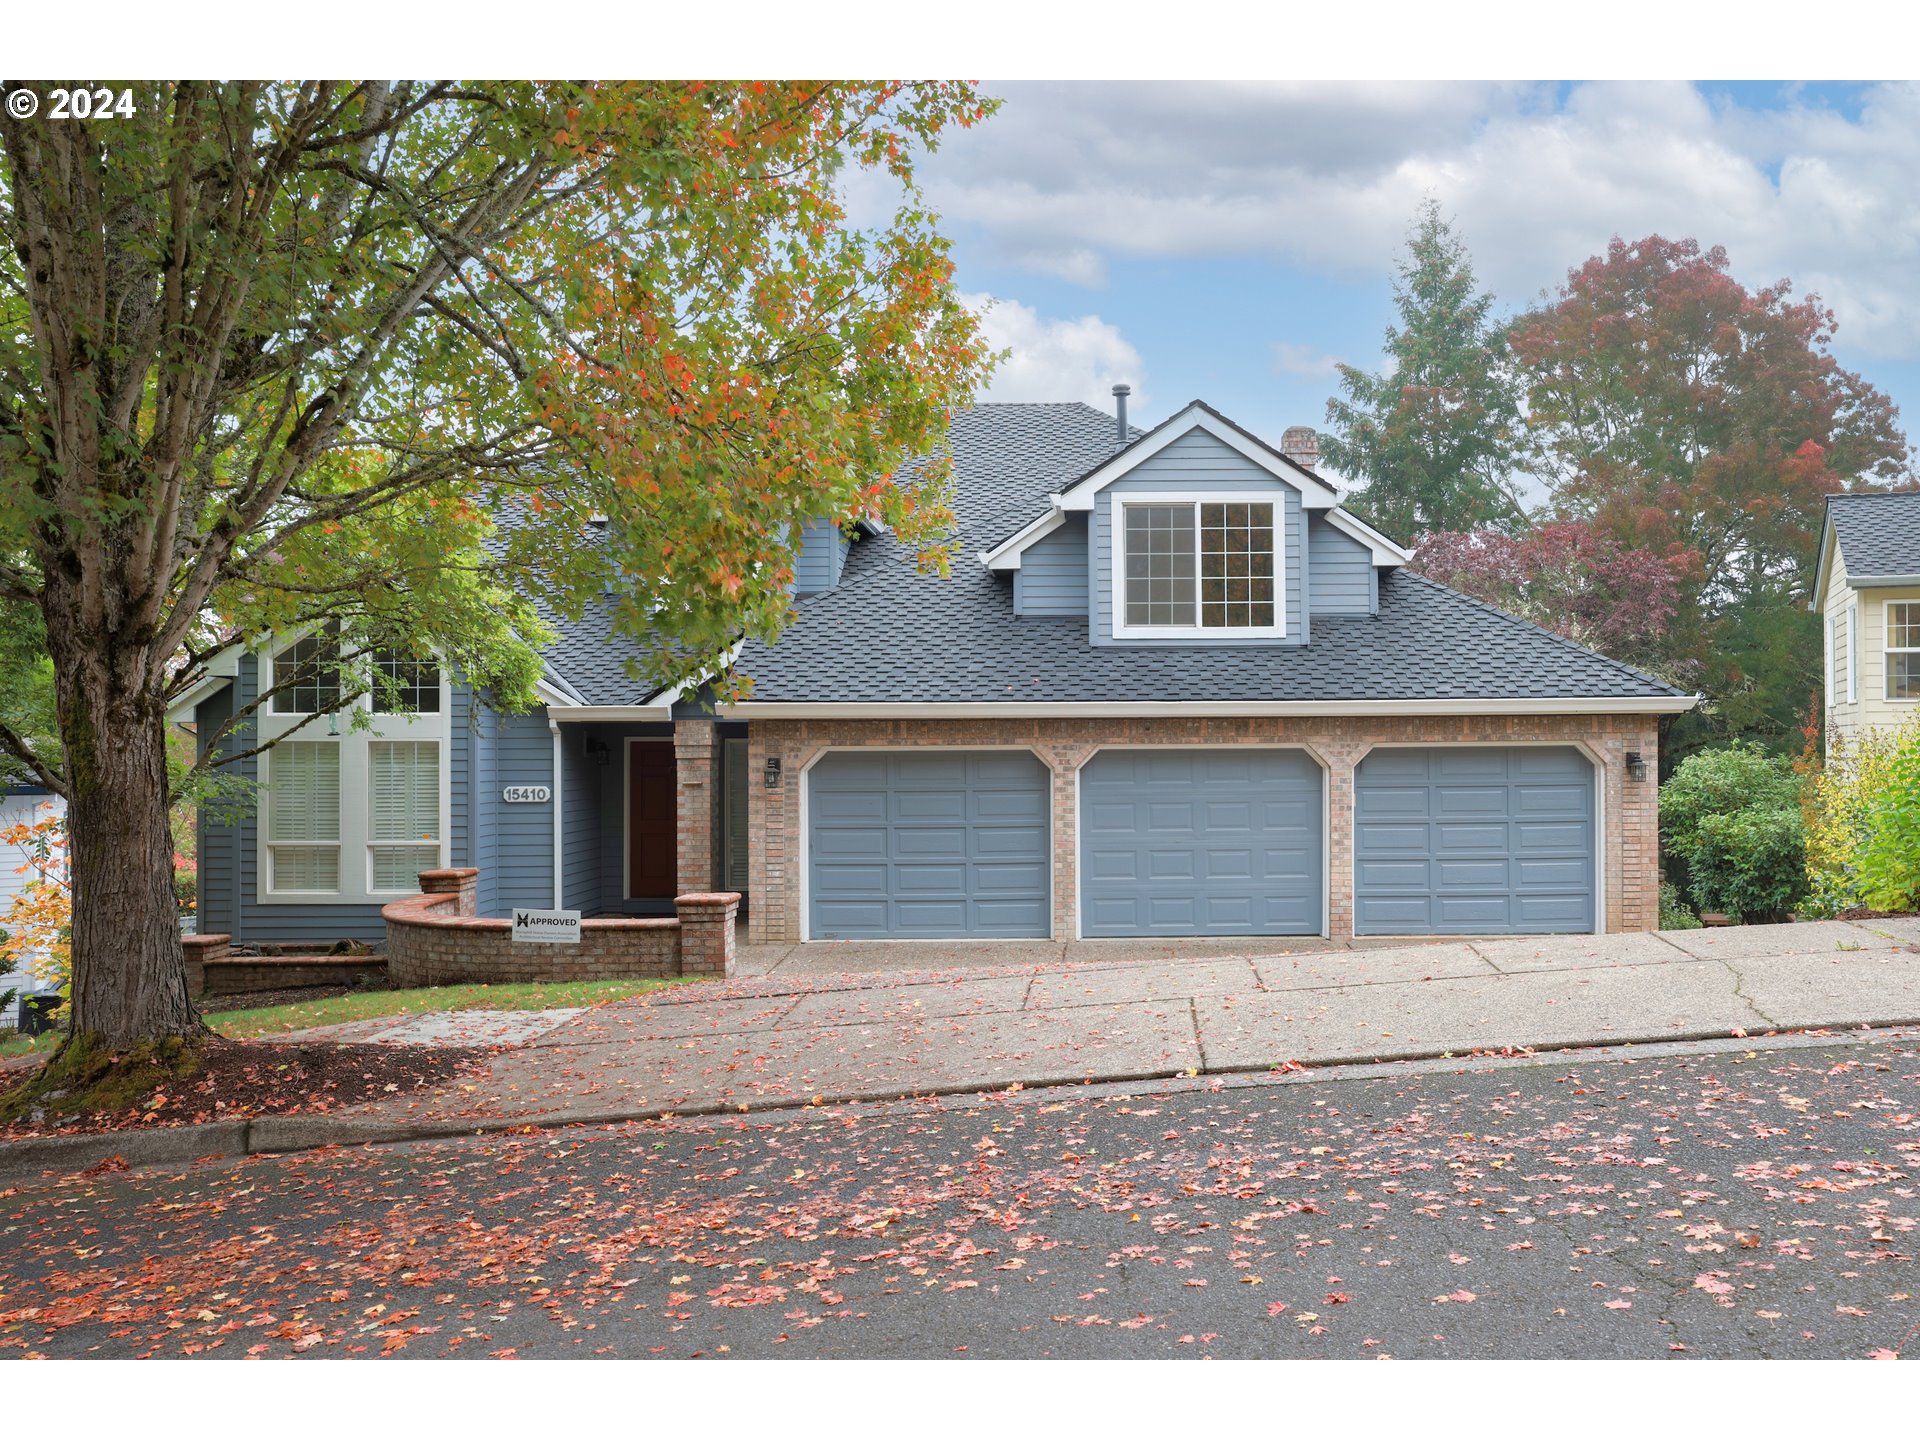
(1079, 359)
(1290, 358)
(1328, 175)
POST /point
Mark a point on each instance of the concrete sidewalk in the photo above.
(785, 1038)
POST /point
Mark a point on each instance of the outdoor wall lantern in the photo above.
(773, 772)
(598, 750)
(1636, 765)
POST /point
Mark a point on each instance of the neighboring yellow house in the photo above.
(1867, 593)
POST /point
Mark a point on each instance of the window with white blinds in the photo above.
(303, 816)
(403, 811)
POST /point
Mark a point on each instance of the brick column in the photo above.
(463, 884)
(1064, 758)
(693, 770)
(773, 852)
(706, 933)
(1340, 758)
(200, 949)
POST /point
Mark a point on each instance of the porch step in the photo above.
(244, 974)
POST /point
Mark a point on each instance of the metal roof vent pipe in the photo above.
(1120, 393)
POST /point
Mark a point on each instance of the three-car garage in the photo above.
(1194, 840)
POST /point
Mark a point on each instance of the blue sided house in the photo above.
(1172, 688)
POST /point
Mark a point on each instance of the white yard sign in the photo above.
(546, 927)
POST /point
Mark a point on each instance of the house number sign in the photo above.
(527, 794)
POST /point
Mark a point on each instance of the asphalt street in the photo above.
(1721, 1201)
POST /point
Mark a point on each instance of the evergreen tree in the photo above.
(1428, 441)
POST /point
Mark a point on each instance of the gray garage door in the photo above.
(1474, 840)
(927, 846)
(1200, 842)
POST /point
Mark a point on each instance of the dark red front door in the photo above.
(651, 820)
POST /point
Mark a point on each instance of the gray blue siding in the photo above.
(1200, 463)
(523, 861)
(582, 792)
(1052, 578)
(821, 556)
(1339, 572)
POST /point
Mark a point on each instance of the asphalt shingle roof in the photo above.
(1879, 534)
(888, 634)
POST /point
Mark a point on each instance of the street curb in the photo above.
(54, 1158)
(29, 1159)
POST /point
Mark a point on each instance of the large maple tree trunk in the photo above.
(129, 974)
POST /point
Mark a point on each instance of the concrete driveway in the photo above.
(794, 1037)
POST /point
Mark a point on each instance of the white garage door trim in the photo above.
(804, 885)
(1602, 835)
(1326, 820)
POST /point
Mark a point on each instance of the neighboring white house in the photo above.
(1866, 590)
(19, 807)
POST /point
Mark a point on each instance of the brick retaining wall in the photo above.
(436, 938)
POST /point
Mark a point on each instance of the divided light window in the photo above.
(1204, 565)
(403, 811)
(303, 815)
(309, 668)
(1903, 649)
(406, 685)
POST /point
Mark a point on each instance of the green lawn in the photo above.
(371, 1004)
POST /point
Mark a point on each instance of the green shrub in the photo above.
(1861, 805)
(1887, 860)
(1674, 914)
(1732, 820)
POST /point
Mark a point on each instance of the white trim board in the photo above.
(1200, 709)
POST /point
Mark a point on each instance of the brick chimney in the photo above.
(1301, 445)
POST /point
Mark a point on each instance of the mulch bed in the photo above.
(241, 1080)
(292, 995)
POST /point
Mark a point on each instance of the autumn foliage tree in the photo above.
(278, 356)
(1571, 577)
(1676, 410)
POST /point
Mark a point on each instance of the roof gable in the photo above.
(1316, 493)
(1877, 535)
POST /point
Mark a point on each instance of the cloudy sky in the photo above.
(1232, 240)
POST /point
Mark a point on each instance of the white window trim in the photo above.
(1889, 649)
(1117, 548)
(356, 844)
(1826, 671)
(1853, 653)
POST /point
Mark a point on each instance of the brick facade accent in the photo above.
(213, 968)
(1629, 828)
(699, 801)
(435, 938)
(200, 949)
(706, 933)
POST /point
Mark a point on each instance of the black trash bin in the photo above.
(37, 1013)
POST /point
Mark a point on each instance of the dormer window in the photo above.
(1197, 567)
